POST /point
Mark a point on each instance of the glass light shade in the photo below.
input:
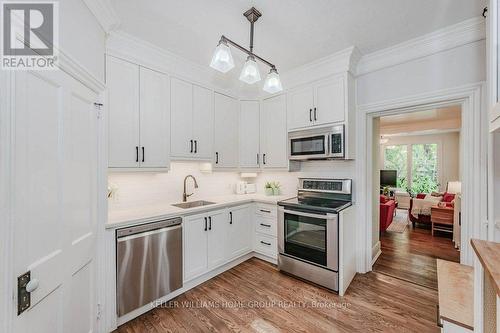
(273, 82)
(250, 72)
(222, 60)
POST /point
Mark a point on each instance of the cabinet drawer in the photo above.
(266, 210)
(266, 245)
(266, 225)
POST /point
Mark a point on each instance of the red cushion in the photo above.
(383, 199)
(448, 197)
(421, 196)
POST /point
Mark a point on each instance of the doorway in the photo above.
(417, 161)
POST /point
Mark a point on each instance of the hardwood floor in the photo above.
(412, 255)
(255, 297)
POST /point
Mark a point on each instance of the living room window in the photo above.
(417, 166)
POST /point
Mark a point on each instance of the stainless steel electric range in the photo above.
(308, 230)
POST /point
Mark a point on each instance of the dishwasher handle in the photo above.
(142, 228)
(147, 233)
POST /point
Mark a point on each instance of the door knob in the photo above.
(32, 285)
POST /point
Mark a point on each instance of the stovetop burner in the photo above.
(321, 195)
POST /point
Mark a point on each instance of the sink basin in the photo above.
(193, 204)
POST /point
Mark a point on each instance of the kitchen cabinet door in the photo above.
(203, 122)
(274, 133)
(154, 119)
(300, 111)
(181, 133)
(249, 141)
(239, 231)
(217, 238)
(226, 131)
(329, 101)
(195, 246)
(122, 80)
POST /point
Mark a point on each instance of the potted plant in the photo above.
(276, 188)
(268, 188)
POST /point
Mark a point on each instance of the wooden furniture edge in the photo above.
(469, 271)
(488, 266)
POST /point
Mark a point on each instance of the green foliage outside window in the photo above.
(423, 169)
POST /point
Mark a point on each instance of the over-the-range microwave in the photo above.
(313, 144)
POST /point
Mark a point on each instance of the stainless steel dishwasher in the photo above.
(149, 263)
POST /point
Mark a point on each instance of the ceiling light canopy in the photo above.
(222, 60)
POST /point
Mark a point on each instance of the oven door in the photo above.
(308, 147)
(309, 237)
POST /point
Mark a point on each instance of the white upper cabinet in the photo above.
(226, 132)
(329, 101)
(182, 118)
(122, 80)
(319, 103)
(274, 132)
(154, 119)
(139, 116)
(301, 103)
(192, 121)
(249, 143)
(203, 120)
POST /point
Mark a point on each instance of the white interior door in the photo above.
(203, 122)
(122, 79)
(249, 134)
(155, 119)
(181, 133)
(54, 195)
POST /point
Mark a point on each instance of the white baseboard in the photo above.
(376, 252)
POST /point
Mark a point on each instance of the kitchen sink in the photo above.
(193, 204)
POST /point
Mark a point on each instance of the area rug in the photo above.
(400, 222)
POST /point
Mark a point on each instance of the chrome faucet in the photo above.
(185, 195)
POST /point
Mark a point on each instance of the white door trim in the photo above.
(473, 158)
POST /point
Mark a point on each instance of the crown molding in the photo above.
(340, 62)
(104, 13)
(459, 34)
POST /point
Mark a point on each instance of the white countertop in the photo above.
(118, 218)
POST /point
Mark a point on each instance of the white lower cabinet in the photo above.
(239, 231)
(266, 230)
(215, 237)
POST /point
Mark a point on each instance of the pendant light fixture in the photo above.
(222, 60)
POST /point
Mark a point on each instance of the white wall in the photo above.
(448, 153)
(143, 188)
(459, 66)
(81, 36)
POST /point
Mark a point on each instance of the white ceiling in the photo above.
(290, 32)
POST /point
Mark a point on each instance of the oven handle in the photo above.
(316, 216)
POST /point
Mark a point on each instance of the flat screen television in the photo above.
(388, 178)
